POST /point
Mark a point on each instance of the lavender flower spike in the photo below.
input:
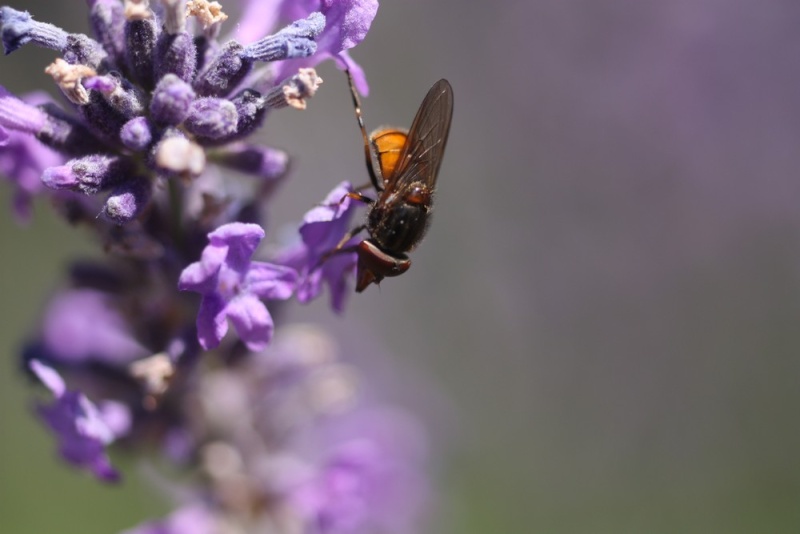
(231, 285)
(83, 428)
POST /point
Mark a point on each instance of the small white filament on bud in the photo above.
(295, 91)
(137, 10)
(179, 155)
(68, 78)
(207, 13)
(154, 373)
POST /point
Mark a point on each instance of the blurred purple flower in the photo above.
(22, 161)
(83, 325)
(23, 158)
(83, 429)
(193, 518)
(323, 228)
(293, 445)
(348, 22)
(232, 286)
(337, 498)
(371, 477)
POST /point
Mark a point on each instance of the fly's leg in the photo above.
(340, 248)
(355, 195)
(377, 181)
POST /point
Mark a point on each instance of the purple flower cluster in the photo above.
(151, 153)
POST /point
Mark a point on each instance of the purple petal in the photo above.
(310, 286)
(259, 18)
(211, 322)
(251, 320)
(270, 281)
(337, 271)
(348, 22)
(333, 207)
(324, 225)
(201, 276)
(15, 114)
(22, 161)
(49, 377)
(242, 239)
(81, 428)
(117, 417)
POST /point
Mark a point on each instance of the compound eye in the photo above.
(374, 265)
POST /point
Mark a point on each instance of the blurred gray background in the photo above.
(607, 302)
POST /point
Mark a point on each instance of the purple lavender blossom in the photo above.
(348, 22)
(22, 157)
(232, 286)
(194, 518)
(83, 428)
(323, 228)
(369, 478)
(22, 161)
(358, 485)
(83, 325)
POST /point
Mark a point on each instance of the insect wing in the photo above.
(422, 154)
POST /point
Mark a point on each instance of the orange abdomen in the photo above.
(388, 144)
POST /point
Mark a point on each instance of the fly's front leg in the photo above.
(340, 248)
(374, 176)
(355, 195)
